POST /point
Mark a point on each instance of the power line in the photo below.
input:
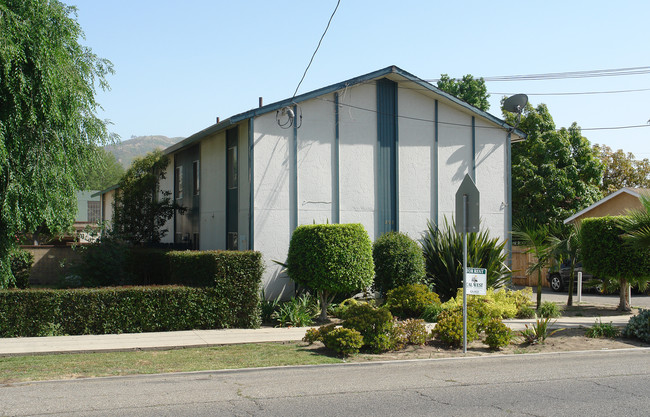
(314, 54)
(419, 119)
(577, 93)
(616, 72)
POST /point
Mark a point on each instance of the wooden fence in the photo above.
(520, 262)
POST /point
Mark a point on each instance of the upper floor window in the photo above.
(179, 182)
(232, 167)
(196, 173)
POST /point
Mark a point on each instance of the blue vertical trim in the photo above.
(434, 179)
(474, 149)
(387, 192)
(396, 162)
(336, 192)
(251, 185)
(508, 208)
(293, 172)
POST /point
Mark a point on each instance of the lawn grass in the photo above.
(85, 365)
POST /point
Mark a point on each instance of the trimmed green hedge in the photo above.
(28, 313)
(236, 275)
(228, 297)
(605, 254)
(149, 266)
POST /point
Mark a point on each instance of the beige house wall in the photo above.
(616, 206)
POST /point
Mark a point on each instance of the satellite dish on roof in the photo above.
(516, 103)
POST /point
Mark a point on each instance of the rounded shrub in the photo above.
(410, 301)
(316, 335)
(449, 328)
(374, 324)
(398, 261)
(497, 334)
(330, 259)
(343, 341)
(639, 326)
(415, 330)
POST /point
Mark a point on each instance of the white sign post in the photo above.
(467, 221)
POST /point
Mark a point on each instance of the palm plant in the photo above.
(443, 252)
(537, 239)
(636, 224)
(565, 246)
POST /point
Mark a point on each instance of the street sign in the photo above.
(476, 281)
(467, 188)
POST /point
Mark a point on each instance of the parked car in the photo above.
(559, 280)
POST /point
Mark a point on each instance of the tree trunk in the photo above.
(324, 303)
(624, 304)
(539, 288)
(569, 301)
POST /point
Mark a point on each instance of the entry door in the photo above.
(232, 190)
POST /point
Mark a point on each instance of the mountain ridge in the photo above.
(127, 150)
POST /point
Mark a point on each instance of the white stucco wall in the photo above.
(272, 199)
(107, 200)
(454, 156)
(358, 156)
(315, 145)
(213, 192)
(491, 177)
(416, 161)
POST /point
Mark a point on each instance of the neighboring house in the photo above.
(88, 212)
(615, 204)
(106, 198)
(385, 149)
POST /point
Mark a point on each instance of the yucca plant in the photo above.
(443, 253)
(538, 331)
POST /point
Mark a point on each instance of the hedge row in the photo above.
(235, 274)
(27, 313)
(222, 290)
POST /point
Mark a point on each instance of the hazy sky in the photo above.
(179, 65)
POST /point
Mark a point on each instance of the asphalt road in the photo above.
(638, 300)
(612, 383)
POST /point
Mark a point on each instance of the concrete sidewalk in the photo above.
(204, 338)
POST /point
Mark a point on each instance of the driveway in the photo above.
(640, 301)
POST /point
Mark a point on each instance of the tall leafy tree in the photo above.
(469, 89)
(107, 171)
(554, 172)
(622, 170)
(48, 117)
(140, 208)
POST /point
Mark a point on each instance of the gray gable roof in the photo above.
(394, 72)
